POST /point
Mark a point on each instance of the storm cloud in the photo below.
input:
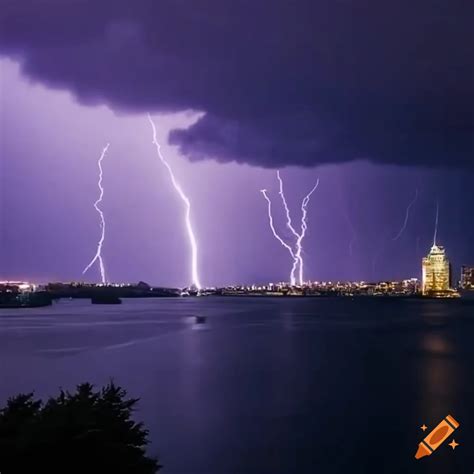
(277, 83)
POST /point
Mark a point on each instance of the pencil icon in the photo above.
(437, 437)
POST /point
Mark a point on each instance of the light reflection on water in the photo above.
(263, 385)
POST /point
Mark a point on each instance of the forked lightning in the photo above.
(98, 255)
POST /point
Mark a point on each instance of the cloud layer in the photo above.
(279, 82)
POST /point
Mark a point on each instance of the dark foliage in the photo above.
(86, 431)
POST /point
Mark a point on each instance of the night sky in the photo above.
(374, 98)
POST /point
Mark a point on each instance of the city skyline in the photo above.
(331, 208)
(437, 276)
(387, 130)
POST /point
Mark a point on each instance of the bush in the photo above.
(83, 432)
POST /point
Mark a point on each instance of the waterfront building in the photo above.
(436, 271)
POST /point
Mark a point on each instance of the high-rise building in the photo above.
(436, 271)
(467, 277)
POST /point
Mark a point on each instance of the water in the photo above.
(267, 385)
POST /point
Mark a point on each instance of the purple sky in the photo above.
(49, 148)
(375, 98)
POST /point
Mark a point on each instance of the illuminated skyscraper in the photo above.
(436, 271)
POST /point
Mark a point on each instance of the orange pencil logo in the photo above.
(437, 437)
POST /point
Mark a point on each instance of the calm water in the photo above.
(266, 385)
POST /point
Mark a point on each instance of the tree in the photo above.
(83, 432)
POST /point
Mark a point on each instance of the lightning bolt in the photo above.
(436, 223)
(285, 205)
(187, 205)
(98, 254)
(404, 226)
(299, 235)
(282, 242)
(304, 227)
(351, 243)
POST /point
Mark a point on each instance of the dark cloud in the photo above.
(280, 82)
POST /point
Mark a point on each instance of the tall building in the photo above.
(436, 271)
(467, 277)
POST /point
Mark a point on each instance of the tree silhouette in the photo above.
(83, 432)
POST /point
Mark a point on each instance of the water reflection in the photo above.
(440, 374)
